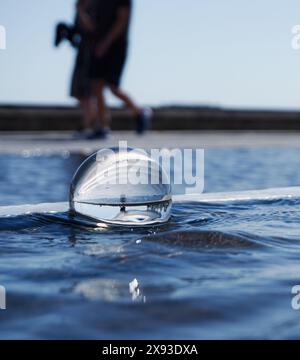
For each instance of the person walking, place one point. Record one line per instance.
(107, 28)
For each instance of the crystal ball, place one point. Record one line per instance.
(121, 187)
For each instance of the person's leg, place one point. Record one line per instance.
(87, 110)
(103, 117)
(143, 116)
(119, 93)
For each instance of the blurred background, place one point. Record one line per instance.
(233, 53)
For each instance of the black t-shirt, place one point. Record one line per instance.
(105, 15)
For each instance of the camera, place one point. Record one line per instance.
(67, 32)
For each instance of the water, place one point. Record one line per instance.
(215, 270)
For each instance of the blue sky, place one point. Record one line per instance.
(234, 53)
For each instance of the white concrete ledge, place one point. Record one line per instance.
(239, 196)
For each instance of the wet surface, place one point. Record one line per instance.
(216, 270)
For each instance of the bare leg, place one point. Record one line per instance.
(119, 93)
(103, 117)
(143, 116)
(87, 109)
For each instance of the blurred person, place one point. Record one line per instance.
(106, 27)
(81, 84)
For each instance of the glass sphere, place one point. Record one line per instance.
(122, 187)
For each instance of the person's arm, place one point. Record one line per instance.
(118, 28)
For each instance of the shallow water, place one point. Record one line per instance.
(216, 270)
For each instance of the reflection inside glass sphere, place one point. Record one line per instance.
(122, 187)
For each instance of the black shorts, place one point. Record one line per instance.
(110, 67)
(81, 85)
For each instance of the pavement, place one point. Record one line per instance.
(30, 143)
